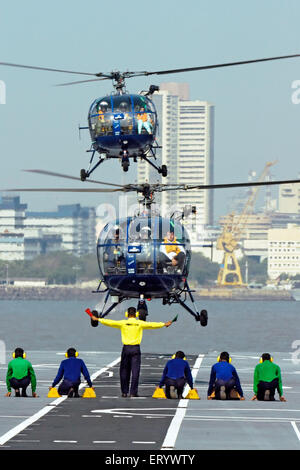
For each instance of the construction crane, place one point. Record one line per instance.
(230, 272)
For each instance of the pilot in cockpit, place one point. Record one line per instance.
(145, 258)
(172, 253)
(101, 125)
(114, 256)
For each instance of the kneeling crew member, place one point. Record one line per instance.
(131, 333)
(224, 379)
(176, 374)
(267, 378)
(70, 371)
(19, 374)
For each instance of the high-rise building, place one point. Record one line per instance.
(186, 134)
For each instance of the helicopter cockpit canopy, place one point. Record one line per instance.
(122, 115)
(144, 245)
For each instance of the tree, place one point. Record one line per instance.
(257, 271)
(56, 268)
(203, 270)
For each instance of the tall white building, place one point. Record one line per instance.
(186, 134)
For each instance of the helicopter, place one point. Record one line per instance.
(140, 271)
(123, 125)
(132, 251)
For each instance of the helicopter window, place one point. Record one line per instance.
(141, 239)
(111, 253)
(100, 117)
(140, 230)
(171, 256)
(173, 249)
(142, 101)
(122, 104)
(145, 117)
(122, 114)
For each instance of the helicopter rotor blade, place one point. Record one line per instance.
(47, 69)
(83, 81)
(186, 187)
(63, 190)
(61, 175)
(206, 67)
(128, 74)
(140, 188)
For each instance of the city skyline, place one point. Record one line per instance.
(256, 106)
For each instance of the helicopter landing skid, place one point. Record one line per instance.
(142, 308)
(175, 298)
(161, 170)
(201, 317)
(85, 174)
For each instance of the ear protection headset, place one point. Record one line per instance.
(261, 359)
(174, 355)
(23, 355)
(219, 359)
(136, 314)
(76, 354)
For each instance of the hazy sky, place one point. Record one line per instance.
(255, 118)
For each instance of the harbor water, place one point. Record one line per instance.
(233, 325)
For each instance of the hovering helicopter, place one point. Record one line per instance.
(123, 125)
(134, 253)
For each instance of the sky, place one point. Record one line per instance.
(257, 113)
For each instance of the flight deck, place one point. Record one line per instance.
(110, 422)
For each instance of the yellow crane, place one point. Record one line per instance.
(230, 272)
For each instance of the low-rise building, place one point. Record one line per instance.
(75, 224)
(284, 251)
(25, 235)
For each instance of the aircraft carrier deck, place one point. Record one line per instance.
(111, 423)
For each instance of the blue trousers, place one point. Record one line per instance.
(178, 383)
(17, 384)
(130, 369)
(263, 386)
(66, 385)
(229, 385)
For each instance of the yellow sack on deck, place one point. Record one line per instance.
(193, 395)
(89, 393)
(159, 393)
(53, 393)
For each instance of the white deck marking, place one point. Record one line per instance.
(65, 442)
(104, 396)
(118, 416)
(133, 411)
(174, 427)
(104, 442)
(23, 425)
(237, 418)
(143, 442)
(296, 429)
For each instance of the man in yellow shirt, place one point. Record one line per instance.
(131, 333)
(170, 250)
